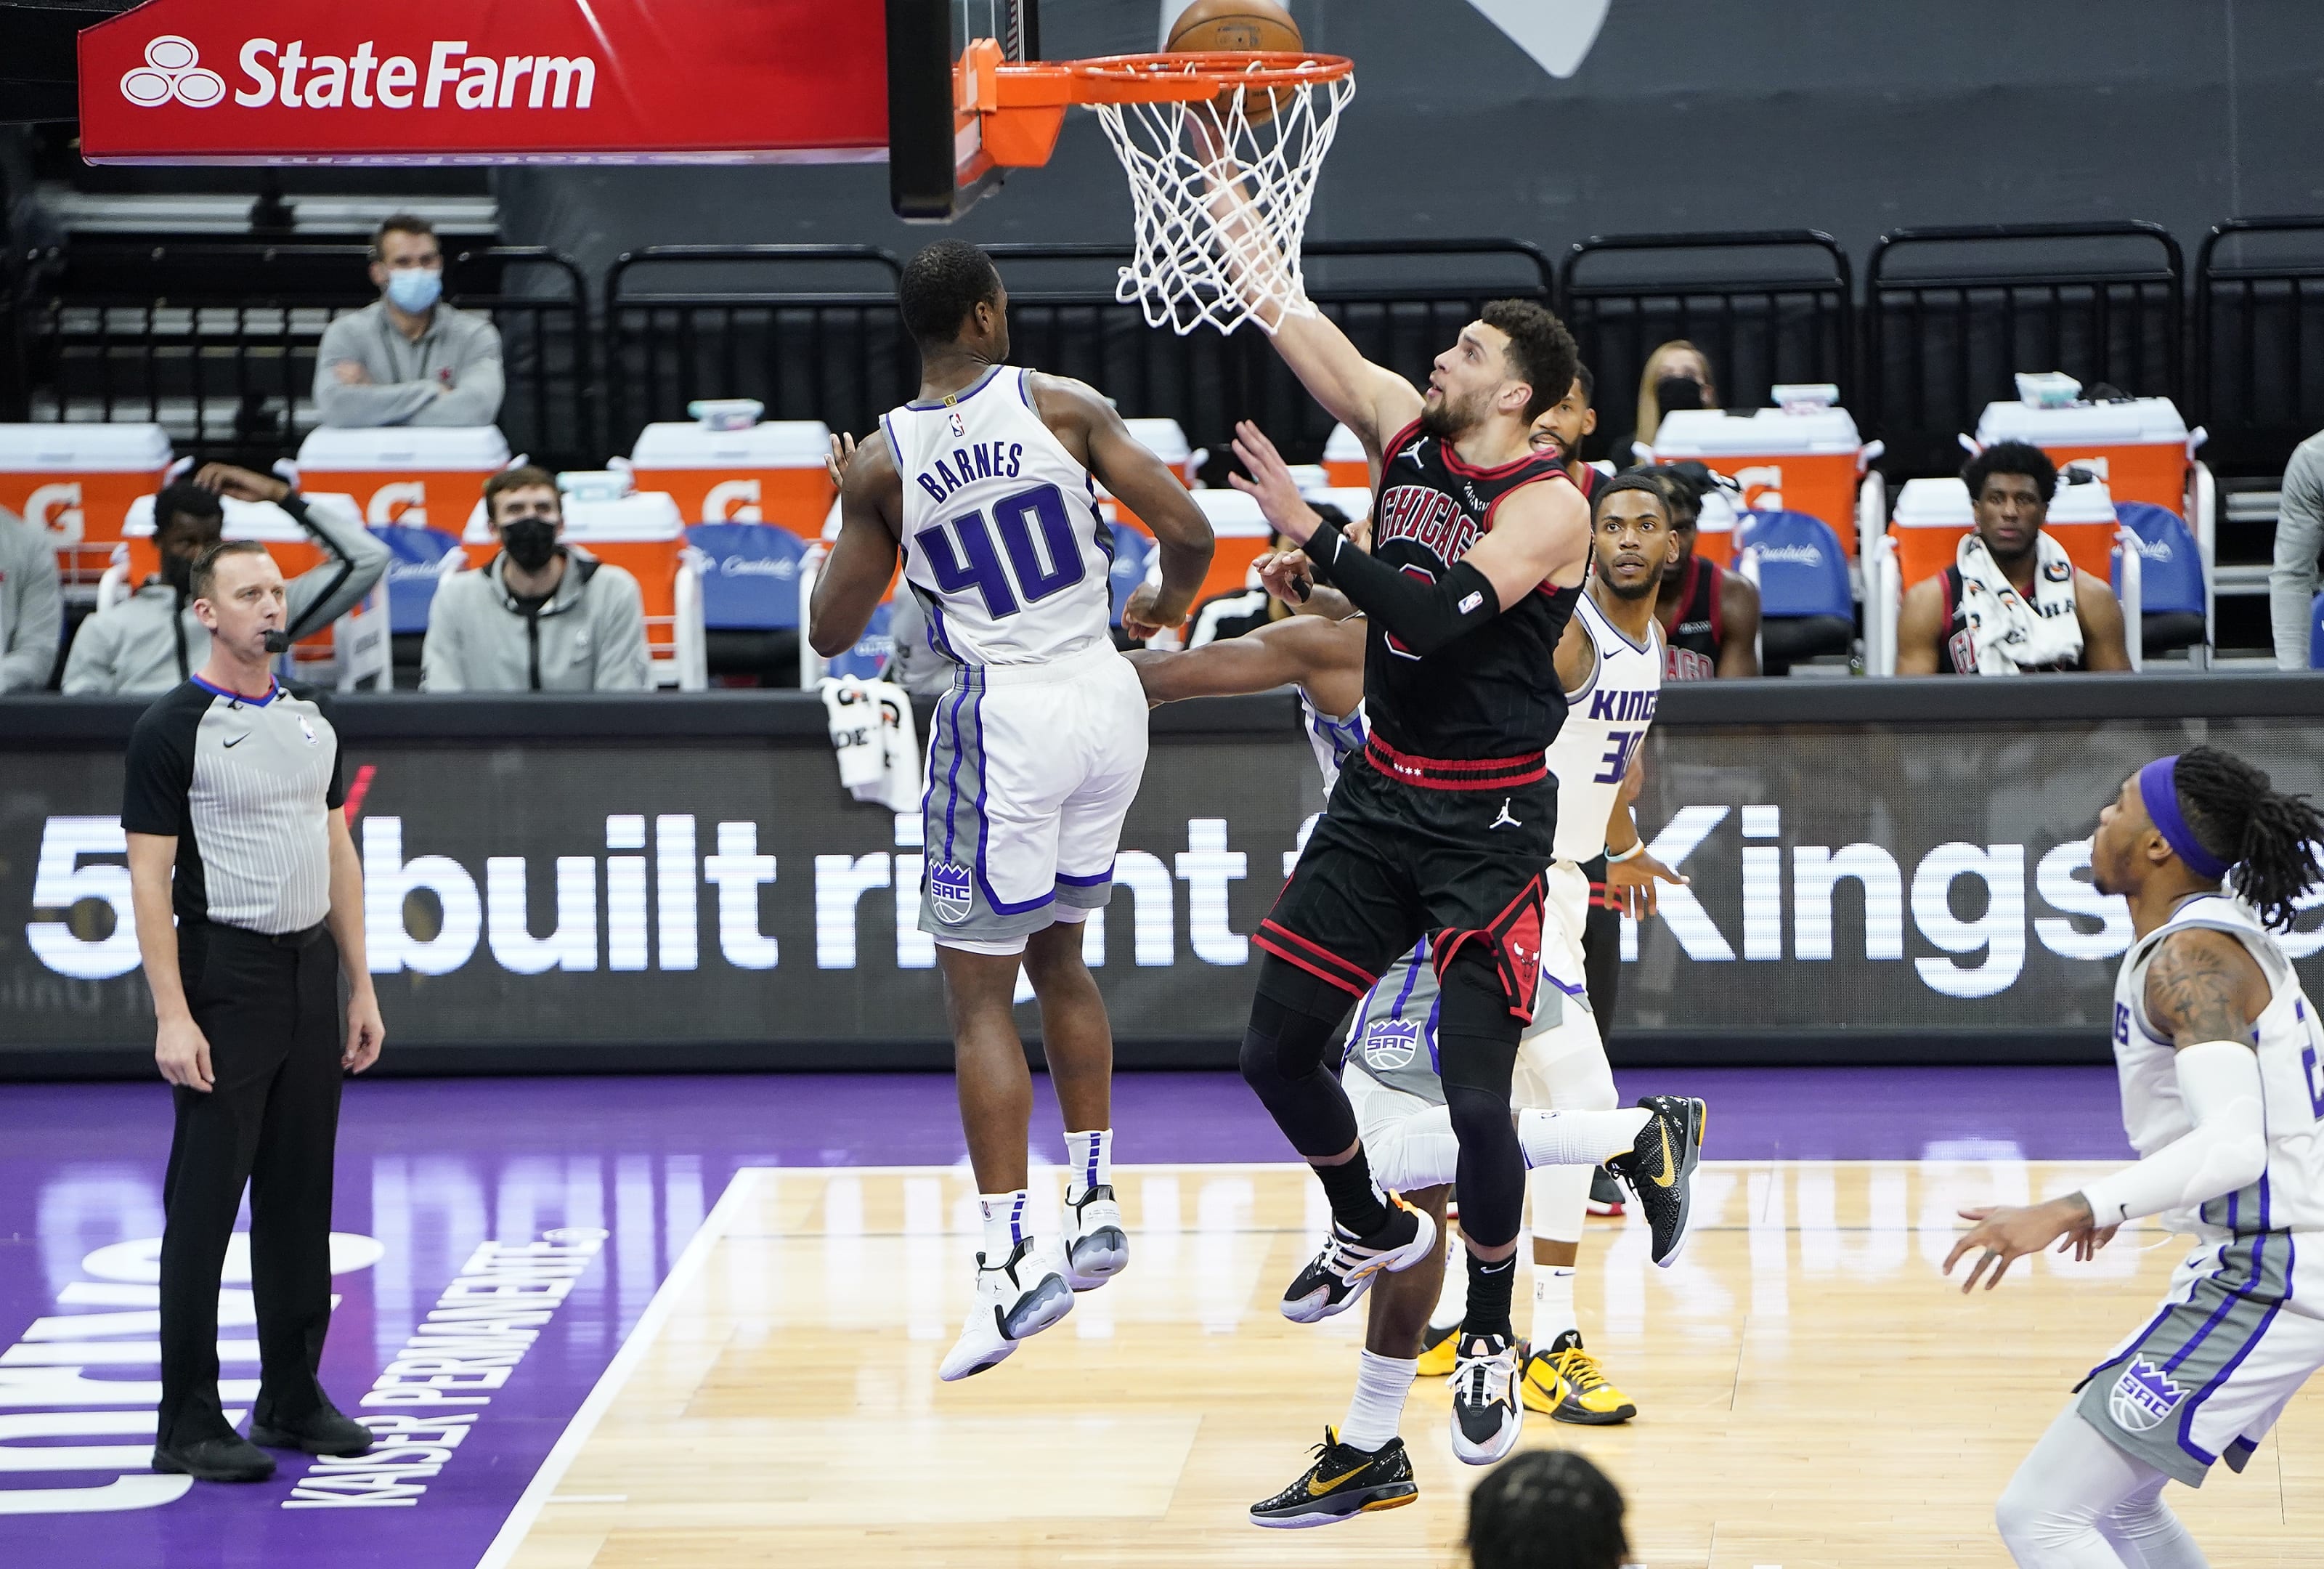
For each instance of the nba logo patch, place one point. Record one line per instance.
(949, 889)
(1390, 1044)
(2143, 1399)
(306, 730)
(959, 426)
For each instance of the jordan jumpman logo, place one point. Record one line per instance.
(1505, 820)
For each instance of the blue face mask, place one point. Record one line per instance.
(414, 288)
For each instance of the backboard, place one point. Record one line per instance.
(938, 166)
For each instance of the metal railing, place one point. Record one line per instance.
(1765, 307)
(2259, 340)
(2101, 302)
(216, 341)
(826, 346)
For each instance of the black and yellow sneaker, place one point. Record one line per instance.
(1344, 1482)
(1439, 1348)
(1605, 1194)
(1347, 1266)
(1565, 1384)
(1660, 1169)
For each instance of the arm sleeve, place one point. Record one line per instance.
(89, 668)
(2225, 1150)
(623, 665)
(477, 386)
(33, 620)
(1423, 613)
(2298, 537)
(159, 770)
(328, 591)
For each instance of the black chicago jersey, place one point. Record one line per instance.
(1493, 693)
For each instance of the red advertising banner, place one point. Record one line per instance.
(486, 81)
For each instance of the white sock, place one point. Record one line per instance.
(1382, 1385)
(1579, 1137)
(1452, 1299)
(1552, 1304)
(1004, 1224)
(1089, 1161)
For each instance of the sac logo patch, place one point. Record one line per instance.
(949, 891)
(2143, 1399)
(1390, 1044)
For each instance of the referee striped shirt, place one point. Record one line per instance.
(245, 786)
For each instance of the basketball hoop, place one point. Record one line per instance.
(1221, 151)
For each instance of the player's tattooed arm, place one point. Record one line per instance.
(2204, 985)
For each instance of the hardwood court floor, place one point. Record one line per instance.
(1812, 1392)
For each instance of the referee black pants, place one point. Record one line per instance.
(270, 1009)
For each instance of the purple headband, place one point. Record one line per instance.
(2158, 786)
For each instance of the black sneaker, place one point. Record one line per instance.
(1344, 1481)
(1487, 1413)
(1660, 1169)
(228, 1458)
(322, 1431)
(1346, 1268)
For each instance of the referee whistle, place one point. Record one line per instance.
(278, 642)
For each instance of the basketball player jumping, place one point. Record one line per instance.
(983, 482)
(2223, 1097)
(1444, 826)
(1609, 662)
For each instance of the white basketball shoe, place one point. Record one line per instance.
(1097, 1248)
(1016, 1299)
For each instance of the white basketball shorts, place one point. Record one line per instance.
(1031, 770)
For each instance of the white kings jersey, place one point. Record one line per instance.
(1335, 740)
(1604, 724)
(2289, 1192)
(1002, 541)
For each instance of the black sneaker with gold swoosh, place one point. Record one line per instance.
(1344, 1482)
(1660, 1169)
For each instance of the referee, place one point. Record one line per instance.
(233, 783)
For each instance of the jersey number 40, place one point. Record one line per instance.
(963, 553)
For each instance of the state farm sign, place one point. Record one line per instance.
(282, 82)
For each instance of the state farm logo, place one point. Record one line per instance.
(172, 69)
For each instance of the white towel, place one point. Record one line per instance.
(878, 745)
(2008, 635)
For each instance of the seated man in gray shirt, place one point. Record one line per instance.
(30, 608)
(2298, 537)
(407, 358)
(539, 616)
(152, 640)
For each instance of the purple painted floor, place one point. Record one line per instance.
(604, 1179)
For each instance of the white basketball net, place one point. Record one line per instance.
(1220, 200)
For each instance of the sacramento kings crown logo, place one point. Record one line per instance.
(1390, 1044)
(949, 889)
(2143, 1398)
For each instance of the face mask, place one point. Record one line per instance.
(178, 572)
(529, 543)
(414, 288)
(1678, 392)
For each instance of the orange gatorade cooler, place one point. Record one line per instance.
(2141, 449)
(1932, 514)
(77, 481)
(1807, 459)
(1242, 535)
(422, 476)
(770, 471)
(1165, 439)
(1344, 460)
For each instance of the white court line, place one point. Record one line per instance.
(539, 1491)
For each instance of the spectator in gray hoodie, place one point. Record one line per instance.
(541, 616)
(31, 610)
(152, 640)
(407, 358)
(2298, 538)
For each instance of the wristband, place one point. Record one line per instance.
(1632, 854)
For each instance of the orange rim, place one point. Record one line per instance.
(1158, 78)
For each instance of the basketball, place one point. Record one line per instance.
(1208, 26)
